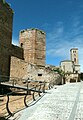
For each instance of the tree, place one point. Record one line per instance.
(61, 73)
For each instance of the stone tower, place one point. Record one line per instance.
(74, 55)
(6, 18)
(74, 58)
(33, 43)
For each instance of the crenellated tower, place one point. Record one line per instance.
(33, 43)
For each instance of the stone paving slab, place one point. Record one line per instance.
(63, 103)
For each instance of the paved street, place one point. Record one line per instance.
(63, 103)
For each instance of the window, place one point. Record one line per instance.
(76, 71)
(22, 45)
(74, 59)
(74, 51)
(39, 74)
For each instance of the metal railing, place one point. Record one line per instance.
(20, 87)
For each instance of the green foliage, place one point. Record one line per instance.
(59, 71)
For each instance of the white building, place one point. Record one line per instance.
(67, 66)
(71, 67)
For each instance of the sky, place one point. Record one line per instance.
(62, 20)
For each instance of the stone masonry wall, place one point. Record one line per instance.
(18, 68)
(33, 43)
(27, 42)
(17, 52)
(24, 70)
(6, 17)
(40, 48)
(6, 48)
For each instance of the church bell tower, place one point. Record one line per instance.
(74, 55)
(75, 60)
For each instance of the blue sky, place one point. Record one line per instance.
(62, 20)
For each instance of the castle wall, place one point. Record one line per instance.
(24, 70)
(17, 52)
(6, 48)
(18, 68)
(6, 17)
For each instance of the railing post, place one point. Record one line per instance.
(27, 87)
(34, 94)
(28, 92)
(25, 101)
(44, 87)
(39, 90)
(7, 107)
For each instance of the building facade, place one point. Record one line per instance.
(71, 67)
(67, 66)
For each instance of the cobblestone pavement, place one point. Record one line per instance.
(63, 103)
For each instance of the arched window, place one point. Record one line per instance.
(74, 59)
(22, 45)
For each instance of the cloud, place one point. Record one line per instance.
(60, 41)
(15, 42)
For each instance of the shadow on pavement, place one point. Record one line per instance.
(3, 118)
